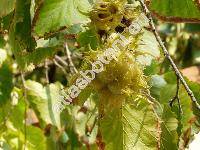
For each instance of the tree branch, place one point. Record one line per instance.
(166, 53)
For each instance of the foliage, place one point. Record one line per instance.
(127, 105)
(185, 10)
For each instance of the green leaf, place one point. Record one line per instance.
(167, 93)
(186, 105)
(56, 14)
(186, 118)
(192, 28)
(2, 43)
(39, 55)
(20, 37)
(185, 100)
(169, 135)
(176, 11)
(152, 69)
(112, 119)
(17, 114)
(89, 38)
(43, 99)
(64, 138)
(84, 119)
(35, 139)
(3, 56)
(148, 48)
(157, 83)
(133, 126)
(6, 6)
(195, 87)
(6, 84)
(14, 113)
(6, 21)
(170, 78)
(14, 132)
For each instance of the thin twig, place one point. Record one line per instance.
(60, 66)
(46, 71)
(74, 56)
(61, 60)
(71, 64)
(176, 97)
(166, 53)
(25, 100)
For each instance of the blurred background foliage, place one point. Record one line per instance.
(33, 37)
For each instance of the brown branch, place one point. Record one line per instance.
(166, 53)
